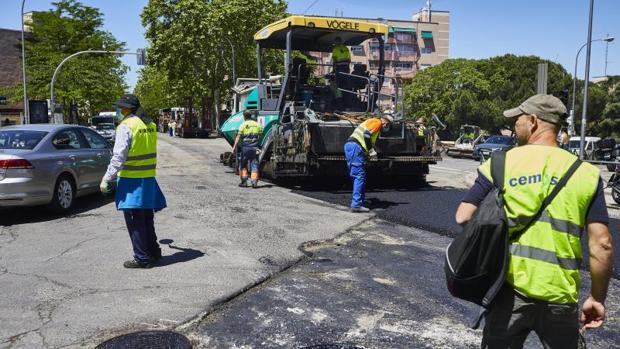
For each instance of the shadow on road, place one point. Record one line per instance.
(183, 254)
(38, 214)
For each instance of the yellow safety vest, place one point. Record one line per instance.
(341, 53)
(371, 126)
(545, 260)
(250, 131)
(421, 130)
(142, 157)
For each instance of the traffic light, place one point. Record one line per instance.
(141, 57)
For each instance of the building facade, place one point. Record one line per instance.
(411, 46)
(10, 75)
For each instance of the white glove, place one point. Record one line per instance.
(372, 154)
(104, 187)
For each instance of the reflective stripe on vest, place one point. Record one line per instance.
(358, 134)
(141, 159)
(250, 131)
(545, 260)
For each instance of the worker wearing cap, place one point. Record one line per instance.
(541, 292)
(357, 148)
(133, 164)
(249, 136)
(421, 128)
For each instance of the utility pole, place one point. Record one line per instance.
(584, 112)
(606, 53)
(26, 117)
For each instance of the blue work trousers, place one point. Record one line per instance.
(248, 163)
(141, 227)
(356, 161)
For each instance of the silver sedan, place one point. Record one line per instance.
(50, 164)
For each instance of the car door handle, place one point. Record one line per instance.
(72, 157)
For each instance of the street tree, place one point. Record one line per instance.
(153, 90)
(91, 81)
(477, 91)
(190, 41)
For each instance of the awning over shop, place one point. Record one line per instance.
(401, 30)
(427, 35)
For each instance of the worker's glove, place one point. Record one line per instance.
(372, 155)
(105, 187)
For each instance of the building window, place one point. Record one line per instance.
(374, 64)
(426, 50)
(403, 36)
(357, 50)
(402, 65)
(406, 48)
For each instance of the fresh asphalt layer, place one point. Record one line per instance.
(380, 285)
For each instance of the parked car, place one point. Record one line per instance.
(107, 131)
(45, 164)
(491, 144)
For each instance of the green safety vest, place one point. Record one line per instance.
(341, 53)
(142, 157)
(545, 260)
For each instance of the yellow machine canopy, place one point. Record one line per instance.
(318, 33)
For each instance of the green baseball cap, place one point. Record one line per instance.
(546, 107)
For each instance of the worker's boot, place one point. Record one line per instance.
(360, 209)
(243, 184)
(254, 184)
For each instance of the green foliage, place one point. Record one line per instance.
(476, 92)
(94, 81)
(152, 90)
(190, 41)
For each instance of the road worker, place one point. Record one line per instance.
(249, 136)
(420, 124)
(359, 147)
(341, 59)
(541, 292)
(138, 195)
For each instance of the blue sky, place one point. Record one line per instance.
(552, 29)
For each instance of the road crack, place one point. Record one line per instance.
(71, 248)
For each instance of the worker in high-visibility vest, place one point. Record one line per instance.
(341, 59)
(359, 146)
(421, 128)
(541, 292)
(134, 163)
(249, 136)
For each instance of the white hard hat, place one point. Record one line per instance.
(388, 117)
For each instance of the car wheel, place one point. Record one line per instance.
(615, 193)
(64, 194)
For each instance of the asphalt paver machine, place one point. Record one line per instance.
(306, 124)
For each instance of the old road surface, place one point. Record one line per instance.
(282, 266)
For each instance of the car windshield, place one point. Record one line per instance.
(20, 139)
(105, 127)
(498, 140)
(574, 144)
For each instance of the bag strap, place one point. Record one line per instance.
(498, 169)
(573, 168)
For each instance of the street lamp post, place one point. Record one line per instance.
(52, 99)
(584, 110)
(26, 118)
(572, 110)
